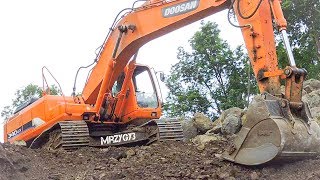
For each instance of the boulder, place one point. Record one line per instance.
(202, 123)
(202, 140)
(189, 130)
(312, 98)
(316, 114)
(231, 125)
(311, 85)
(238, 112)
(231, 121)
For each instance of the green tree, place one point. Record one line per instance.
(304, 29)
(210, 78)
(25, 94)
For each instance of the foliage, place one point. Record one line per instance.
(23, 95)
(210, 78)
(304, 30)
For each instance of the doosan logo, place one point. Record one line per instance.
(180, 8)
(14, 133)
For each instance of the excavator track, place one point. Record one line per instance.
(74, 134)
(170, 130)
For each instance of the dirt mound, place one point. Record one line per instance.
(174, 160)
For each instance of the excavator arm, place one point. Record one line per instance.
(152, 20)
(156, 18)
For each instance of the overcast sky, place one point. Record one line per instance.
(63, 35)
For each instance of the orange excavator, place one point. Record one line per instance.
(120, 104)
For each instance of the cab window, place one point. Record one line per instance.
(116, 88)
(145, 93)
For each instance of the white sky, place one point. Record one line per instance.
(63, 35)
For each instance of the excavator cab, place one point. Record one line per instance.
(145, 89)
(134, 95)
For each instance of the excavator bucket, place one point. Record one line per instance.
(275, 131)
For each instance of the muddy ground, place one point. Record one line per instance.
(174, 160)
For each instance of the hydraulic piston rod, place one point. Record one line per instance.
(288, 47)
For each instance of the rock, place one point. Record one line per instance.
(224, 175)
(217, 122)
(202, 123)
(202, 140)
(254, 176)
(232, 111)
(99, 167)
(231, 125)
(189, 130)
(117, 154)
(244, 117)
(208, 162)
(312, 98)
(104, 149)
(311, 85)
(203, 177)
(55, 176)
(231, 178)
(201, 147)
(215, 130)
(219, 156)
(231, 120)
(23, 169)
(316, 114)
(113, 161)
(304, 92)
(102, 176)
(130, 153)
(20, 143)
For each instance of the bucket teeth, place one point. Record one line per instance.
(275, 132)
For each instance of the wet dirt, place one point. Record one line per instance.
(167, 160)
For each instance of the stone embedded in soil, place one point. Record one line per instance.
(254, 176)
(202, 140)
(130, 153)
(55, 176)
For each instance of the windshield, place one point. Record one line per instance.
(145, 92)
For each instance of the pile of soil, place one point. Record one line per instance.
(167, 160)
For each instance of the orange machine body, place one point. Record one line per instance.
(47, 111)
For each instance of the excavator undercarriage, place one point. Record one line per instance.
(71, 135)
